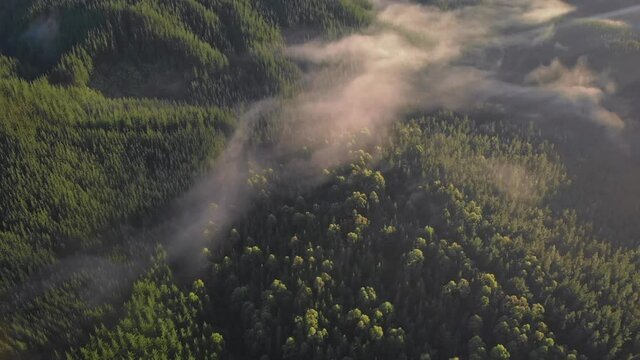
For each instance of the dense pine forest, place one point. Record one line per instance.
(319, 179)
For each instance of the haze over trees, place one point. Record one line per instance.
(170, 186)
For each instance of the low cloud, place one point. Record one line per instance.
(581, 87)
(42, 36)
(413, 57)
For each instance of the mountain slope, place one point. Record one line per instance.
(440, 236)
(408, 252)
(109, 114)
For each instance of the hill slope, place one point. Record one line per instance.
(440, 237)
(109, 112)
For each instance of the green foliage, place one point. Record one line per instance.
(610, 36)
(158, 323)
(440, 242)
(331, 15)
(75, 161)
(445, 264)
(8, 67)
(86, 152)
(206, 51)
(499, 352)
(74, 164)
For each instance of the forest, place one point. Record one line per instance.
(319, 179)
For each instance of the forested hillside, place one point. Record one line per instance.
(309, 179)
(406, 252)
(109, 112)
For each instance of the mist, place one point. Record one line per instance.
(42, 35)
(542, 96)
(416, 58)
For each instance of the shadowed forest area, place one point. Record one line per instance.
(319, 179)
